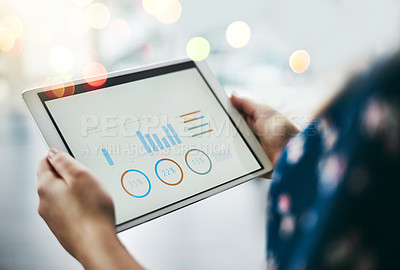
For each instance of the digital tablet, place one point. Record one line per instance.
(158, 138)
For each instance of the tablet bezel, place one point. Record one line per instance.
(52, 138)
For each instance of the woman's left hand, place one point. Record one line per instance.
(80, 213)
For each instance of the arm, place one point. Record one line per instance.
(80, 213)
(272, 128)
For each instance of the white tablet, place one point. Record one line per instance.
(159, 137)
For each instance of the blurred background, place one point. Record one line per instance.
(294, 55)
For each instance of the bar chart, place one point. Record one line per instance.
(153, 143)
(193, 123)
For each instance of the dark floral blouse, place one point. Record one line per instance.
(335, 196)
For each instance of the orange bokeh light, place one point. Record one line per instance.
(56, 88)
(299, 61)
(95, 74)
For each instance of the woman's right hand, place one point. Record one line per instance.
(271, 127)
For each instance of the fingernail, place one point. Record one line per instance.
(52, 153)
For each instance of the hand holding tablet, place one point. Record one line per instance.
(158, 138)
(80, 213)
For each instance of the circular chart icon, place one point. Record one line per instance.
(169, 172)
(135, 183)
(198, 161)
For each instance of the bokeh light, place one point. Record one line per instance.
(148, 52)
(172, 14)
(61, 59)
(95, 74)
(82, 3)
(238, 34)
(41, 34)
(97, 15)
(155, 7)
(56, 87)
(77, 23)
(120, 28)
(198, 49)
(299, 61)
(7, 39)
(16, 50)
(14, 24)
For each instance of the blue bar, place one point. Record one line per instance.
(174, 133)
(141, 138)
(109, 160)
(169, 135)
(153, 145)
(158, 141)
(165, 142)
(201, 117)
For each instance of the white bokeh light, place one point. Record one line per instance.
(61, 59)
(82, 3)
(172, 14)
(155, 7)
(14, 24)
(198, 48)
(238, 34)
(97, 15)
(7, 39)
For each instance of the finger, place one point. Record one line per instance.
(245, 105)
(65, 165)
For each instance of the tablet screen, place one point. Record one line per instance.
(153, 138)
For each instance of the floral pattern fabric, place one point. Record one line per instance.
(334, 200)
